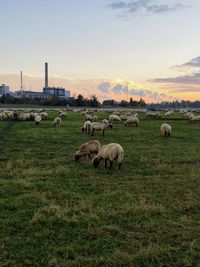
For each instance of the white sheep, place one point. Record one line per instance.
(109, 152)
(155, 115)
(165, 129)
(44, 115)
(88, 117)
(57, 122)
(87, 127)
(95, 118)
(132, 121)
(105, 121)
(98, 126)
(63, 115)
(87, 149)
(114, 117)
(169, 113)
(194, 119)
(37, 119)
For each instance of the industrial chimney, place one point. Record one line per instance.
(21, 81)
(46, 75)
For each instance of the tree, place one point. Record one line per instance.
(132, 102)
(80, 101)
(141, 103)
(93, 102)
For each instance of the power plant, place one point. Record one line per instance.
(47, 90)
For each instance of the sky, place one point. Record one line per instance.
(113, 49)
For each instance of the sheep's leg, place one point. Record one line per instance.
(92, 133)
(89, 156)
(120, 165)
(106, 161)
(111, 164)
(102, 133)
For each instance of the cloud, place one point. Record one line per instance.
(193, 63)
(184, 79)
(144, 6)
(119, 89)
(104, 87)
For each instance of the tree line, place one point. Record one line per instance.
(93, 101)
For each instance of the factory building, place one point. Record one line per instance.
(54, 91)
(32, 94)
(4, 90)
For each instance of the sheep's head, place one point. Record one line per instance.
(110, 125)
(77, 156)
(96, 162)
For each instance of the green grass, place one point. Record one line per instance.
(56, 212)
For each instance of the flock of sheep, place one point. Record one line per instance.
(113, 151)
(110, 152)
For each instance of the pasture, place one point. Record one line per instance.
(57, 212)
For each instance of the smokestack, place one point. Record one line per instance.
(46, 75)
(21, 81)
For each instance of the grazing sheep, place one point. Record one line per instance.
(105, 121)
(63, 115)
(88, 117)
(87, 149)
(169, 113)
(123, 117)
(194, 119)
(37, 119)
(57, 122)
(95, 118)
(44, 115)
(98, 126)
(109, 152)
(155, 115)
(87, 127)
(132, 121)
(114, 118)
(165, 129)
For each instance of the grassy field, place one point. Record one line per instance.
(57, 212)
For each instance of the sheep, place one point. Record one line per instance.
(155, 115)
(165, 129)
(105, 121)
(169, 113)
(63, 115)
(44, 115)
(99, 127)
(109, 152)
(95, 118)
(123, 117)
(37, 119)
(195, 119)
(88, 117)
(132, 121)
(114, 118)
(87, 127)
(91, 147)
(57, 122)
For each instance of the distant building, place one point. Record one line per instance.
(57, 91)
(4, 90)
(47, 92)
(67, 93)
(32, 94)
